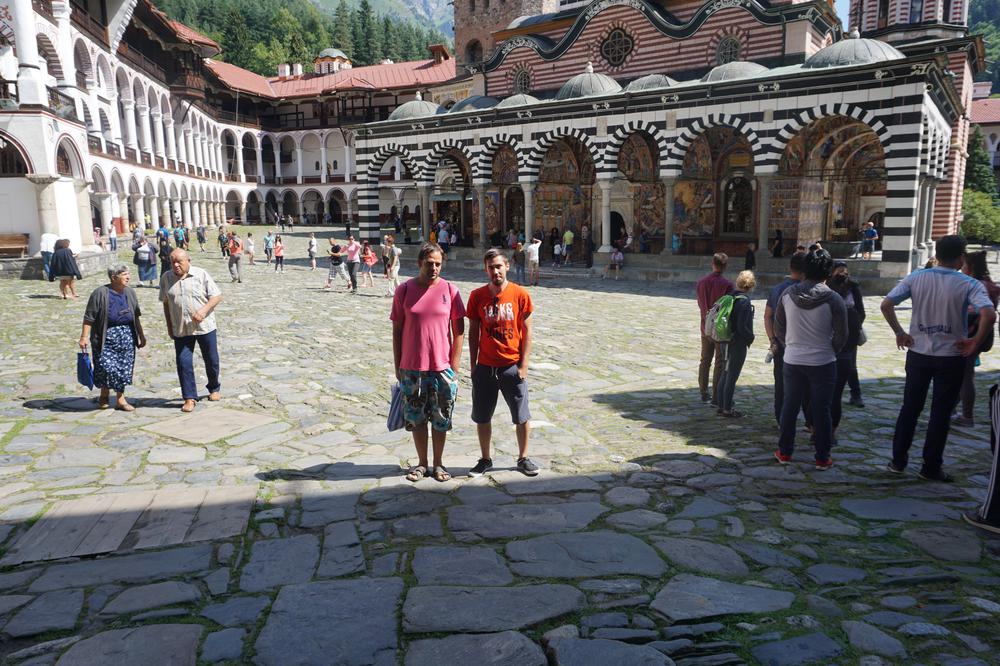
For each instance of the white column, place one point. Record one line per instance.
(298, 165)
(481, 217)
(189, 151)
(82, 188)
(240, 167)
(260, 161)
(154, 212)
(165, 217)
(48, 215)
(528, 187)
(139, 206)
(160, 148)
(30, 84)
(186, 212)
(605, 186)
(107, 215)
(347, 163)
(668, 214)
(132, 139)
(324, 176)
(147, 142)
(170, 150)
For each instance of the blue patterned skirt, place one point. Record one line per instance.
(113, 370)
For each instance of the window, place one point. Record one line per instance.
(616, 47)
(522, 82)
(916, 11)
(63, 165)
(474, 51)
(728, 50)
(11, 162)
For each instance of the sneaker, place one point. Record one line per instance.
(963, 422)
(526, 467)
(974, 519)
(782, 458)
(484, 465)
(856, 401)
(823, 465)
(895, 470)
(940, 476)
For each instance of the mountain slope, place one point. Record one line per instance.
(436, 14)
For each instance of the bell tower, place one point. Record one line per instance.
(477, 20)
(902, 21)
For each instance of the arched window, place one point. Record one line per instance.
(474, 51)
(739, 207)
(616, 47)
(64, 167)
(522, 82)
(729, 50)
(11, 161)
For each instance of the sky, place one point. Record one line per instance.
(843, 6)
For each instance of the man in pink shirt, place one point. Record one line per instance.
(353, 252)
(711, 288)
(428, 328)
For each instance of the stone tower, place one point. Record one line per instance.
(477, 20)
(902, 21)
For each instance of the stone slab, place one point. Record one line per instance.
(208, 424)
(804, 522)
(507, 648)
(829, 574)
(52, 611)
(549, 482)
(458, 565)
(807, 649)
(160, 644)
(275, 562)
(486, 609)
(135, 568)
(950, 544)
(342, 553)
(704, 507)
(145, 597)
(345, 622)
(689, 597)
(898, 508)
(702, 556)
(868, 639)
(520, 520)
(223, 645)
(583, 555)
(597, 652)
(237, 612)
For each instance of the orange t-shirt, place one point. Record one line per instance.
(500, 323)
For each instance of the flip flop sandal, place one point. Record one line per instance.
(441, 474)
(416, 473)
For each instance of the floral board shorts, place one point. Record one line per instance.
(428, 396)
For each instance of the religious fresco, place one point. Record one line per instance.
(648, 209)
(635, 160)
(812, 208)
(492, 212)
(694, 208)
(567, 162)
(505, 166)
(698, 160)
(565, 185)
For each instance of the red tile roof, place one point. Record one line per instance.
(192, 35)
(986, 111)
(399, 75)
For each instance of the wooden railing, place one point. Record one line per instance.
(82, 19)
(142, 62)
(43, 7)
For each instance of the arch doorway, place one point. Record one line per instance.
(513, 210)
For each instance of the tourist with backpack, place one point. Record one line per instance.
(709, 290)
(811, 324)
(739, 331)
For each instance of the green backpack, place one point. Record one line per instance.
(719, 320)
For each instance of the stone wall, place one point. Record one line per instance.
(30, 268)
(488, 17)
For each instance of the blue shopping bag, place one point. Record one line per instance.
(395, 420)
(84, 370)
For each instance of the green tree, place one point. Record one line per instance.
(342, 38)
(265, 58)
(978, 170)
(237, 45)
(367, 46)
(391, 47)
(981, 217)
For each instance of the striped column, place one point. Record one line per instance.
(368, 195)
(902, 198)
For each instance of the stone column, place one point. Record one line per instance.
(425, 210)
(263, 211)
(48, 215)
(165, 217)
(903, 182)
(260, 162)
(528, 187)
(190, 157)
(159, 145)
(168, 129)
(347, 163)
(931, 198)
(154, 212)
(920, 215)
(107, 214)
(298, 165)
(146, 136)
(82, 188)
(243, 212)
(763, 209)
(240, 166)
(30, 83)
(668, 214)
(483, 238)
(132, 140)
(605, 186)
(186, 212)
(324, 176)
(139, 206)
(123, 209)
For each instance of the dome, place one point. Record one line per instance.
(737, 69)
(516, 100)
(415, 108)
(852, 51)
(332, 53)
(588, 84)
(650, 82)
(473, 103)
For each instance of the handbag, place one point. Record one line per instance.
(84, 369)
(395, 420)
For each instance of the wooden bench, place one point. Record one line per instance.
(13, 245)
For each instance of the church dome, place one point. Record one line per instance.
(473, 103)
(588, 84)
(852, 51)
(415, 108)
(332, 53)
(737, 69)
(516, 100)
(650, 82)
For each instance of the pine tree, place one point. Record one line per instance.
(391, 48)
(236, 41)
(342, 29)
(978, 170)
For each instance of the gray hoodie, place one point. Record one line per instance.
(811, 323)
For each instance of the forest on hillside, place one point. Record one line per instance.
(258, 35)
(984, 19)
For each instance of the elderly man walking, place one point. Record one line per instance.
(189, 296)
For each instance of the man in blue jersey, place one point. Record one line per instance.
(937, 345)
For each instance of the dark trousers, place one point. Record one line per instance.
(946, 373)
(779, 381)
(969, 388)
(852, 379)
(990, 511)
(820, 379)
(46, 260)
(352, 272)
(735, 354)
(710, 349)
(184, 353)
(846, 364)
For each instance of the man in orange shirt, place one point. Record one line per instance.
(500, 343)
(235, 256)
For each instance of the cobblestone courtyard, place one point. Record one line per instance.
(275, 527)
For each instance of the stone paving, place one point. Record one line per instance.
(657, 534)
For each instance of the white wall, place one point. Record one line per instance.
(19, 204)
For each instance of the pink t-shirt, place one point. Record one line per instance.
(426, 315)
(353, 250)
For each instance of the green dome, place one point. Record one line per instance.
(519, 99)
(588, 84)
(738, 69)
(650, 82)
(332, 53)
(852, 51)
(415, 108)
(476, 102)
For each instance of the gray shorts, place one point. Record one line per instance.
(487, 382)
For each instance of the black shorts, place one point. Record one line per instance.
(487, 382)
